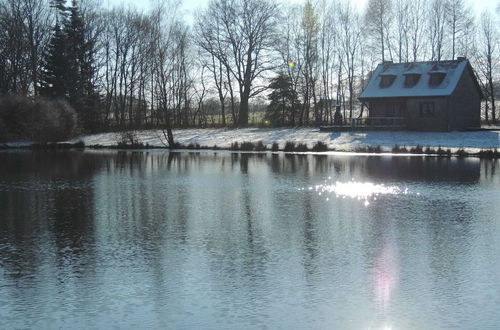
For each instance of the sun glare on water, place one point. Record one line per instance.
(362, 191)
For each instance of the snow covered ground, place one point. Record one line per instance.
(342, 141)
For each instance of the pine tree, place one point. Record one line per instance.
(53, 79)
(283, 100)
(80, 57)
(69, 64)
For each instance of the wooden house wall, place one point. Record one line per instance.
(465, 103)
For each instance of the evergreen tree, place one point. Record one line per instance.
(80, 58)
(69, 64)
(53, 79)
(283, 101)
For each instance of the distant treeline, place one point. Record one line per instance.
(240, 62)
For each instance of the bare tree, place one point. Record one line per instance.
(378, 21)
(350, 39)
(436, 29)
(326, 57)
(402, 14)
(459, 19)
(416, 17)
(309, 39)
(488, 59)
(246, 31)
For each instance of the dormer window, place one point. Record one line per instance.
(436, 78)
(387, 80)
(411, 79)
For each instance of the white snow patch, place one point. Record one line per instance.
(343, 141)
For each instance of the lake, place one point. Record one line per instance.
(220, 240)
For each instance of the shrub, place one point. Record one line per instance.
(36, 120)
(260, 146)
(129, 139)
(301, 147)
(275, 146)
(461, 153)
(430, 151)
(399, 150)
(289, 146)
(320, 146)
(193, 146)
(247, 146)
(485, 154)
(416, 150)
(374, 149)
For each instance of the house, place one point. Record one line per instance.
(427, 96)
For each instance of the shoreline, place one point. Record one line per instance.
(418, 151)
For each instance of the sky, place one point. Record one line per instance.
(191, 5)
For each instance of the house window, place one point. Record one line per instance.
(436, 78)
(387, 80)
(411, 80)
(427, 109)
(395, 109)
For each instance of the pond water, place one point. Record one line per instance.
(157, 240)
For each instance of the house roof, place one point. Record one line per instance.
(453, 70)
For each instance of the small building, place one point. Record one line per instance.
(424, 96)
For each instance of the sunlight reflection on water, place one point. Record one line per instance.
(362, 191)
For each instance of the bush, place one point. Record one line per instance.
(302, 147)
(247, 146)
(235, 146)
(461, 153)
(260, 146)
(320, 146)
(429, 151)
(399, 150)
(193, 146)
(374, 149)
(275, 146)
(289, 146)
(129, 139)
(416, 150)
(36, 120)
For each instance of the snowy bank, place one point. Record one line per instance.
(341, 141)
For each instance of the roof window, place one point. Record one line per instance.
(436, 78)
(411, 79)
(387, 80)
